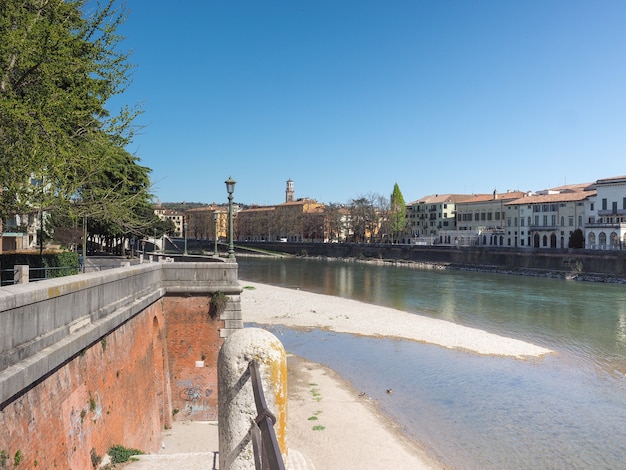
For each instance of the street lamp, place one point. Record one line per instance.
(230, 189)
(215, 218)
(185, 230)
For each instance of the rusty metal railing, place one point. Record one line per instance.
(267, 454)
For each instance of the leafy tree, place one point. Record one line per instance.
(576, 239)
(398, 212)
(58, 68)
(363, 218)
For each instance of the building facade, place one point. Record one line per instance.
(605, 215)
(547, 219)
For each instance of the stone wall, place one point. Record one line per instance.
(610, 263)
(91, 361)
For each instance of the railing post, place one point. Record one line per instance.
(21, 274)
(236, 405)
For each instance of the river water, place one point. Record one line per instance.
(564, 411)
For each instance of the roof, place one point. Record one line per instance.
(441, 198)
(548, 198)
(614, 179)
(573, 187)
(501, 197)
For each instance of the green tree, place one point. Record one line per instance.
(58, 69)
(576, 239)
(398, 213)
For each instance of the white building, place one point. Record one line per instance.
(548, 218)
(605, 218)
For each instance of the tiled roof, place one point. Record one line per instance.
(614, 179)
(548, 198)
(440, 198)
(573, 187)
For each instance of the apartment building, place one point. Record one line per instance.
(481, 220)
(429, 217)
(548, 218)
(605, 215)
(177, 217)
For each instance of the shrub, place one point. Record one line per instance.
(217, 304)
(120, 454)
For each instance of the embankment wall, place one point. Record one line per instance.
(610, 263)
(102, 359)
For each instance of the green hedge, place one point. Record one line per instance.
(49, 264)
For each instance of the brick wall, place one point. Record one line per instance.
(193, 343)
(111, 393)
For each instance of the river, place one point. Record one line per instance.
(564, 411)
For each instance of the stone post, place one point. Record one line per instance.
(20, 274)
(236, 407)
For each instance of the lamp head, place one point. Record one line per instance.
(230, 185)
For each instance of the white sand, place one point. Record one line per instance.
(269, 305)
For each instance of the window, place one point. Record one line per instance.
(562, 221)
(536, 220)
(591, 206)
(553, 220)
(604, 204)
(489, 215)
(545, 221)
(482, 216)
(508, 222)
(522, 221)
(614, 207)
(571, 221)
(624, 203)
(580, 220)
(497, 215)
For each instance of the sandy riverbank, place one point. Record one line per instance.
(270, 305)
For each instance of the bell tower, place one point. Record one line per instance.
(289, 191)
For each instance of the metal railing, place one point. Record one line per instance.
(265, 446)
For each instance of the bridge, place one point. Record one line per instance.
(111, 357)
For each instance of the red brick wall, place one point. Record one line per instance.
(115, 392)
(193, 337)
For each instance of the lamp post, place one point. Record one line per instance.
(215, 218)
(230, 189)
(185, 230)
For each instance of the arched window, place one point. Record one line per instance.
(602, 238)
(614, 239)
(580, 220)
(484, 239)
(592, 238)
(562, 221)
(553, 241)
(545, 240)
(536, 240)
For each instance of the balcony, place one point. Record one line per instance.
(614, 225)
(614, 212)
(543, 228)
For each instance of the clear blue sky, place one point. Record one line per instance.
(348, 97)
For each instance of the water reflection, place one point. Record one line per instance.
(565, 411)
